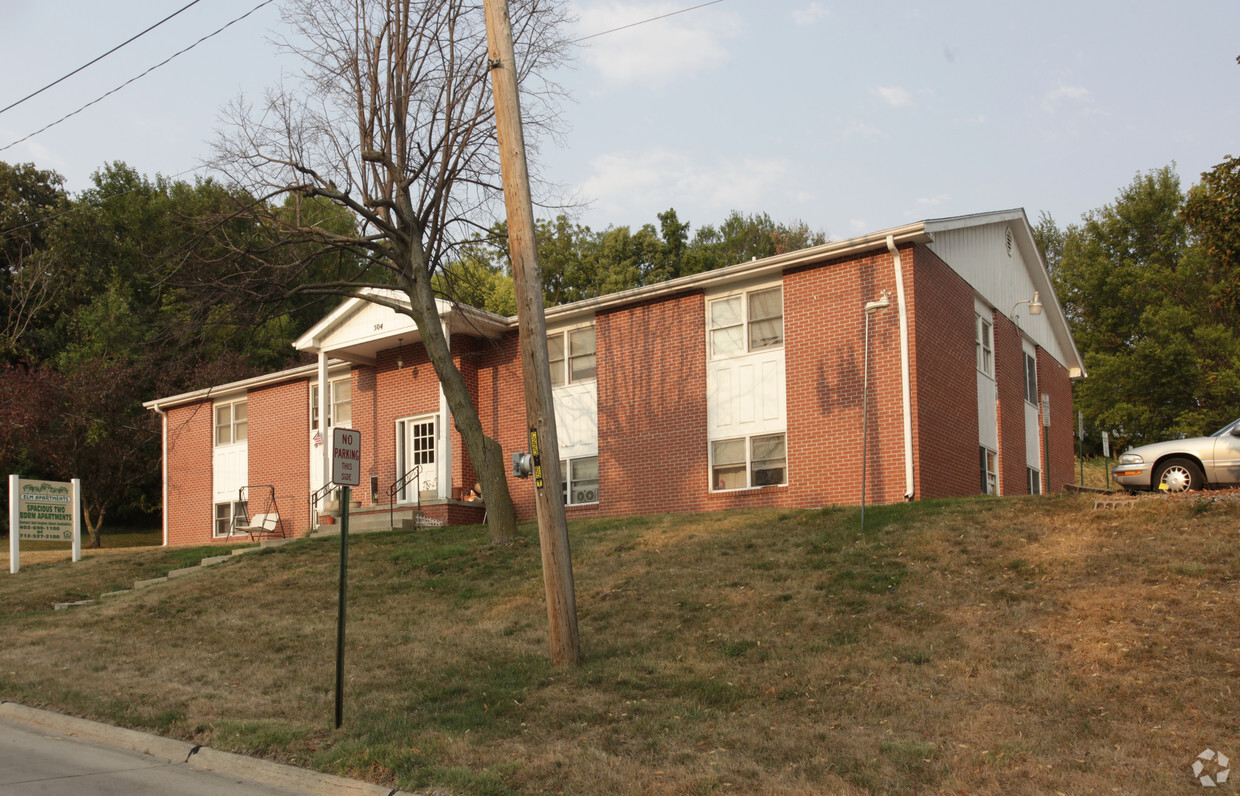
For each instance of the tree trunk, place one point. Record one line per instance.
(93, 528)
(484, 452)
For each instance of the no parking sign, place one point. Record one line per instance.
(346, 457)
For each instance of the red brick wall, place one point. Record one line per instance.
(365, 408)
(824, 328)
(500, 400)
(653, 449)
(944, 378)
(1053, 380)
(652, 406)
(1010, 384)
(190, 508)
(410, 390)
(279, 430)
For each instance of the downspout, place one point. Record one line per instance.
(164, 467)
(904, 367)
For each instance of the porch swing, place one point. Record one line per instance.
(266, 523)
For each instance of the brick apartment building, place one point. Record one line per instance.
(739, 387)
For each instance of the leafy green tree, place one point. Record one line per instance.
(83, 424)
(133, 315)
(1050, 239)
(579, 263)
(1212, 213)
(28, 196)
(745, 237)
(1143, 299)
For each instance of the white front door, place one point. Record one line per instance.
(416, 442)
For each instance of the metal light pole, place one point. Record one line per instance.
(870, 308)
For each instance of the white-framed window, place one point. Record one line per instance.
(572, 356)
(746, 322)
(1031, 379)
(225, 514)
(1035, 481)
(580, 480)
(231, 423)
(985, 347)
(746, 462)
(989, 471)
(339, 408)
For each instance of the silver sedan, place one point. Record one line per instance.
(1183, 464)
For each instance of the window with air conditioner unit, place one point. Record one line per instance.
(580, 480)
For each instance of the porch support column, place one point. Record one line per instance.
(444, 443)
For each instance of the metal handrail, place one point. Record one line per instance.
(403, 481)
(315, 496)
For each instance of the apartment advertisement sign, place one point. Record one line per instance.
(45, 510)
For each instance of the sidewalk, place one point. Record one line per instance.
(47, 753)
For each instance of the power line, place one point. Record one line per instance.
(97, 60)
(644, 21)
(138, 77)
(38, 221)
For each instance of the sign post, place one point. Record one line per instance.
(1106, 455)
(346, 473)
(14, 523)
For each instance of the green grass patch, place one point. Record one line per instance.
(974, 645)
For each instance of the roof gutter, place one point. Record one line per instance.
(898, 264)
(236, 387)
(909, 233)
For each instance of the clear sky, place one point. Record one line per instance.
(850, 116)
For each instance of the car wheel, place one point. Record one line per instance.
(1178, 475)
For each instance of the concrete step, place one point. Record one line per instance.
(363, 521)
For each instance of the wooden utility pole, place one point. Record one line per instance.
(557, 563)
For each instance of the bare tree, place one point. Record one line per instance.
(396, 124)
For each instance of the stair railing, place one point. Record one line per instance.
(410, 477)
(315, 497)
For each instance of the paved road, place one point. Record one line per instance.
(52, 755)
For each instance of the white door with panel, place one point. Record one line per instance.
(417, 442)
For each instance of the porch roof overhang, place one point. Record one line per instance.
(374, 320)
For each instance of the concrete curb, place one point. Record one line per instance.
(134, 741)
(202, 758)
(296, 779)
